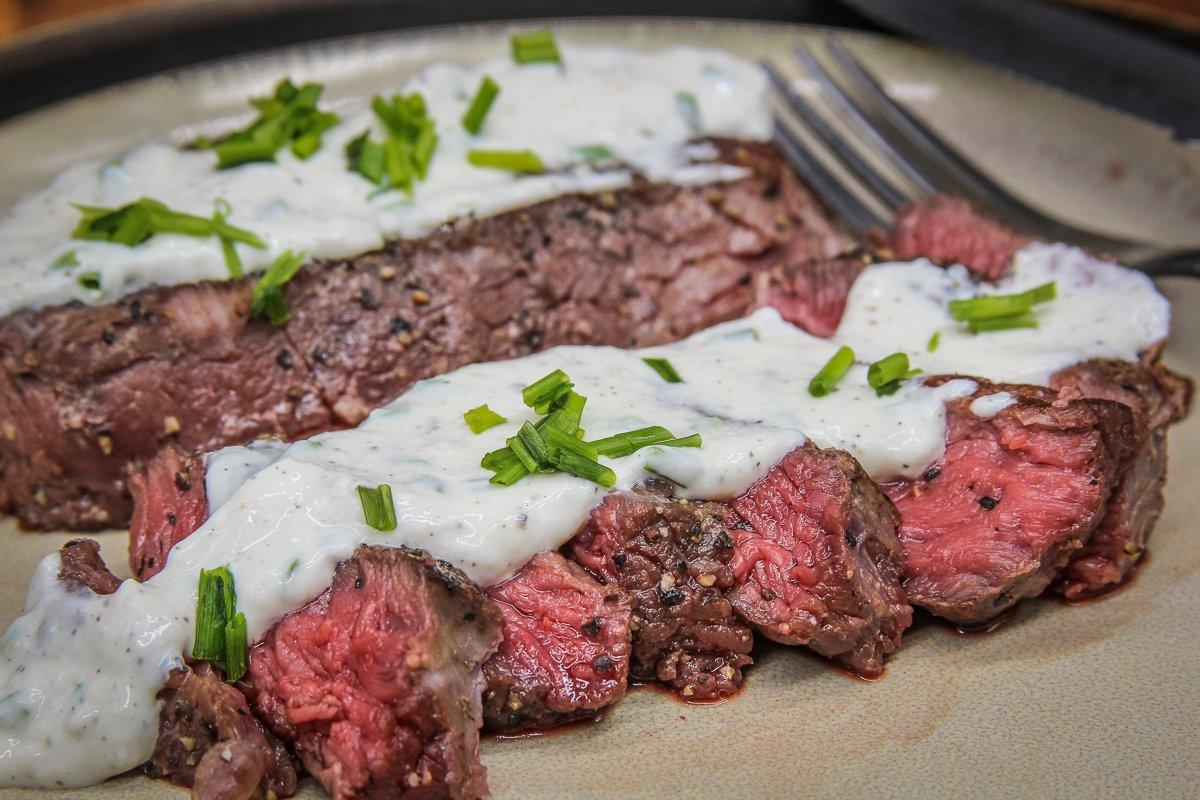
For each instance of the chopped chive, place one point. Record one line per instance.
(289, 116)
(89, 281)
(529, 48)
(547, 389)
(236, 645)
(403, 157)
(1026, 320)
(585, 468)
(595, 154)
(481, 103)
(683, 441)
(378, 509)
(481, 418)
(620, 445)
(499, 459)
(664, 369)
(536, 445)
(523, 455)
(689, 109)
(509, 474)
(568, 416)
(566, 441)
(884, 375)
(827, 379)
(266, 298)
(134, 223)
(934, 341)
(524, 161)
(216, 602)
(992, 306)
(66, 260)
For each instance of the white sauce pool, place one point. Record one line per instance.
(603, 95)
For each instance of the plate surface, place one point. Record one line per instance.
(1097, 700)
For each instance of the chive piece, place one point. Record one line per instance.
(509, 474)
(683, 441)
(827, 379)
(523, 455)
(664, 369)
(622, 444)
(993, 306)
(215, 604)
(481, 103)
(66, 260)
(884, 375)
(288, 117)
(365, 157)
(568, 442)
(568, 416)
(378, 508)
(934, 341)
(1026, 320)
(585, 468)
(89, 281)
(538, 447)
(547, 389)
(266, 298)
(404, 155)
(236, 645)
(529, 48)
(142, 219)
(523, 161)
(689, 109)
(423, 148)
(481, 418)
(595, 154)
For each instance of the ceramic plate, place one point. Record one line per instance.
(1096, 700)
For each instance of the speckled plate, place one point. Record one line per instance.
(1097, 700)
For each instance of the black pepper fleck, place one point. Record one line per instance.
(320, 354)
(931, 473)
(670, 597)
(368, 300)
(592, 626)
(182, 483)
(619, 560)
(988, 502)
(107, 336)
(284, 359)
(603, 664)
(400, 325)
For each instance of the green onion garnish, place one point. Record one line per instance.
(689, 109)
(378, 509)
(620, 445)
(992, 306)
(566, 441)
(884, 375)
(403, 156)
(1026, 320)
(683, 441)
(587, 469)
(523, 455)
(524, 161)
(66, 260)
(547, 389)
(934, 341)
(220, 634)
(485, 95)
(481, 418)
(832, 373)
(595, 154)
(529, 48)
(509, 474)
(266, 298)
(664, 369)
(537, 447)
(89, 281)
(289, 116)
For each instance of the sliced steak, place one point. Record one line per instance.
(377, 682)
(673, 557)
(1013, 498)
(88, 394)
(82, 567)
(947, 230)
(817, 561)
(208, 740)
(169, 503)
(811, 295)
(565, 652)
(1158, 398)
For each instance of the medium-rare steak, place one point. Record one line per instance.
(565, 651)
(207, 738)
(811, 295)
(1158, 398)
(817, 561)
(1012, 499)
(169, 503)
(90, 393)
(947, 230)
(672, 556)
(377, 682)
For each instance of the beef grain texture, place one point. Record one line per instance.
(169, 503)
(947, 230)
(88, 394)
(207, 738)
(565, 652)
(672, 556)
(377, 682)
(1157, 398)
(1012, 499)
(817, 561)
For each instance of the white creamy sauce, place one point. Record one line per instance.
(621, 99)
(989, 405)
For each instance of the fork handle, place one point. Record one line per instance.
(1185, 263)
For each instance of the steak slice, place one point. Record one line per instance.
(817, 561)
(1158, 398)
(169, 503)
(377, 682)
(672, 556)
(947, 230)
(565, 651)
(82, 567)
(1012, 499)
(208, 740)
(811, 295)
(89, 394)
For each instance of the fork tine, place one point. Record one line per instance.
(828, 188)
(838, 145)
(857, 121)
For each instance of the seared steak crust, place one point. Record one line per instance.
(377, 682)
(672, 556)
(80, 566)
(169, 503)
(89, 394)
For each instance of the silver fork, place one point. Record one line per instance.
(924, 164)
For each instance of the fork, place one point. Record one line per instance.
(922, 160)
